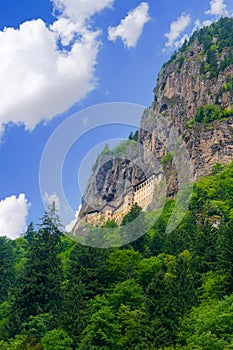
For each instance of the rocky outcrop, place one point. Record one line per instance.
(181, 87)
(199, 74)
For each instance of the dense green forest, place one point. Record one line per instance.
(163, 291)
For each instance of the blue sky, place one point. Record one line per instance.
(59, 57)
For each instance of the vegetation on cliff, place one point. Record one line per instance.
(215, 39)
(210, 113)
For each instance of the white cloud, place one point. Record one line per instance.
(13, 215)
(177, 28)
(218, 8)
(65, 30)
(70, 226)
(75, 16)
(131, 27)
(40, 79)
(81, 10)
(51, 199)
(198, 24)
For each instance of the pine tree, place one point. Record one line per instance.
(73, 316)
(170, 296)
(6, 268)
(86, 278)
(183, 285)
(39, 289)
(225, 254)
(30, 233)
(88, 264)
(132, 215)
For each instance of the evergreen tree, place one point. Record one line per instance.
(6, 268)
(158, 237)
(73, 316)
(183, 285)
(170, 295)
(56, 339)
(30, 233)
(39, 289)
(88, 264)
(86, 277)
(132, 215)
(225, 254)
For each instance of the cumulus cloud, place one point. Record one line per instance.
(79, 10)
(131, 27)
(45, 70)
(218, 8)
(13, 215)
(75, 16)
(71, 225)
(176, 29)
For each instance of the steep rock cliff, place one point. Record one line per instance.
(197, 77)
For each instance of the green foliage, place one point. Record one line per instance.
(228, 87)
(216, 168)
(123, 147)
(210, 113)
(166, 159)
(37, 326)
(133, 136)
(168, 290)
(56, 339)
(110, 224)
(6, 268)
(89, 265)
(214, 39)
(122, 263)
(170, 295)
(180, 61)
(16, 343)
(225, 254)
(30, 233)
(39, 290)
(119, 151)
(20, 246)
(66, 248)
(209, 326)
(116, 320)
(5, 308)
(147, 268)
(222, 32)
(190, 123)
(212, 286)
(132, 215)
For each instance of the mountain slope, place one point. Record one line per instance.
(194, 94)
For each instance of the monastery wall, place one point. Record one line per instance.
(142, 194)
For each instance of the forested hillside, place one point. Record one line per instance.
(164, 291)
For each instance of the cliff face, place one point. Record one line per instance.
(199, 75)
(195, 83)
(181, 87)
(109, 182)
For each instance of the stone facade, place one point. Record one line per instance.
(142, 194)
